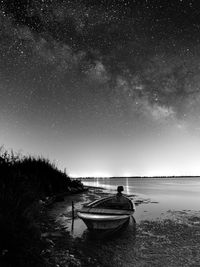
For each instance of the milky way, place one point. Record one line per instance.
(102, 87)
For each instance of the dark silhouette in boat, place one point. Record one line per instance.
(108, 213)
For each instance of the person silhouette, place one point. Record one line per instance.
(119, 191)
(122, 201)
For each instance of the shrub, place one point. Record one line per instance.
(23, 182)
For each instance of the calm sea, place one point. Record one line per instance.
(156, 196)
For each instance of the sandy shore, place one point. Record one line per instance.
(171, 241)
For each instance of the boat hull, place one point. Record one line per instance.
(107, 214)
(103, 222)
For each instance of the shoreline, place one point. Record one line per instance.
(152, 242)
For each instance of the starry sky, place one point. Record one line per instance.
(102, 87)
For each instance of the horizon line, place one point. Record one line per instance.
(137, 176)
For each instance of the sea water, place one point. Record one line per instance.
(165, 233)
(156, 196)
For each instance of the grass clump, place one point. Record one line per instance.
(24, 182)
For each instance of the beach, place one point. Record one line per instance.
(171, 239)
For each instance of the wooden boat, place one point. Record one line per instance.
(107, 213)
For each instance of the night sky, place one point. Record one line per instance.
(102, 88)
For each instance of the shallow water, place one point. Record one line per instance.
(155, 198)
(161, 194)
(167, 229)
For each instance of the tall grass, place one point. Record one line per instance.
(23, 182)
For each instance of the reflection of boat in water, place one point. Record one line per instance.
(107, 213)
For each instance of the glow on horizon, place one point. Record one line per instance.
(92, 174)
(128, 174)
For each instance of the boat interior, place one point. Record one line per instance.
(114, 203)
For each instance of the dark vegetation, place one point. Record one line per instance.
(26, 184)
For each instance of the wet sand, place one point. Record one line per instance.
(170, 240)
